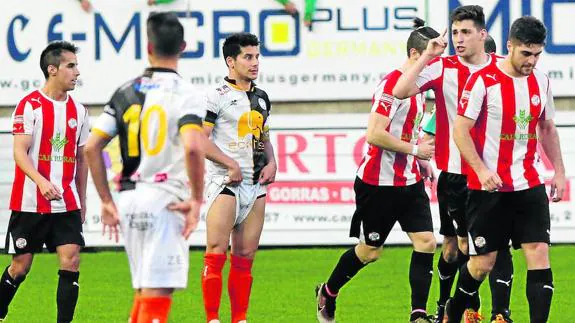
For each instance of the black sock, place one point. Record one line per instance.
(348, 265)
(461, 258)
(466, 294)
(8, 288)
(447, 271)
(420, 272)
(500, 282)
(539, 294)
(67, 295)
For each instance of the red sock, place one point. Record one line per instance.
(154, 309)
(135, 309)
(239, 286)
(212, 283)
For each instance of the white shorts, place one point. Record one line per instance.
(246, 195)
(157, 251)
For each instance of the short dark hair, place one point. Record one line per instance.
(234, 43)
(490, 46)
(419, 37)
(52, 53)
(470, 12)
(165, 33)
(528, 30)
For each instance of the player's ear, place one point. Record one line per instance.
(52, 70)
(230, 62)
(149, 48)
(509, 46)
(183, 46)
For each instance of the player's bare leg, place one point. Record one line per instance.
(539, 280)
(420, 273)
(12, 277)
(219, 224)
(245, 242)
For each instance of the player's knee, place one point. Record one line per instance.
(463, 245)
(19, 268)
(367, 254)
(425, 243)
(70, 262)
(536, 255)
(245, 253)
(216, 247)
(449, 249)
(481, 266)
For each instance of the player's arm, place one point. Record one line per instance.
(22, 144)
(81, 179)
(104, 130)
(213, 152)
(470, 106)
(82, 165)
(549, 139)
(23, 121)
(268, 173)
(407, 84)
(194, 140)
(382, 111)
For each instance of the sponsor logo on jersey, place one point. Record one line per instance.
(58, 142)
(523, 119)
(251, 122)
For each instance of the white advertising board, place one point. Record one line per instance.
(352, 44)
(313, 199)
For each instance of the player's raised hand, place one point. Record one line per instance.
(489, 179)
(557, 187)
(268, 174)
(234, 176)
(436, 46)
(425, 149)
(48, 190)
(110, 220)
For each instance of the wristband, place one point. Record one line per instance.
(414, 150)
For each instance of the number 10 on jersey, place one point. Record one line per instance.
(141, 126)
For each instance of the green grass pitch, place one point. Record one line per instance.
(284, 281)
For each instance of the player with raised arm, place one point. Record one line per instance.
(158, 118)
(242, 164)
(49, 191)
(389, 188)
(446, 76)
(506, 109)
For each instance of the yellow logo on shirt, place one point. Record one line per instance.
(251, 122)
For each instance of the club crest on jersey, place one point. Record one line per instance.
(262, 103)
(72, 123)
(535, 100)
(223, 90)
(21, 243)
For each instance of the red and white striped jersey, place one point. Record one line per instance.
(507, 110)
(57, 129)
(446, 76)
(388, 168)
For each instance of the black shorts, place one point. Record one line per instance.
(29, 231)
(452, 197)
(379, 207)
(495, 218)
